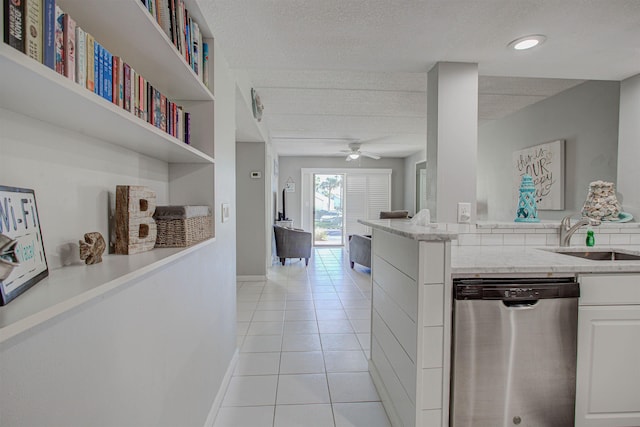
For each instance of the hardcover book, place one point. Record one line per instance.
(14, 23)
(49, 34)
(165, 20)
(81, 57)
(69, 40)
(187, 128)
(205, 63)
(98, 67)
(59, 41)
(91, 76)
(120, 83)
(126, 100)
(163, 113)
(114, 79)
(108, 76)
(135, 93)
(33, 29)
(157, 108)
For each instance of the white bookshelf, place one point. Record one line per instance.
(31, 89)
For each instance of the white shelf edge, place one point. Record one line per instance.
(93, 291)
(175, 151)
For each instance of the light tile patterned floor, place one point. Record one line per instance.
(304, 343)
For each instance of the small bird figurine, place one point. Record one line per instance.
(92, 248)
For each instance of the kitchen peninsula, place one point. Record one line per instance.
(413, 269)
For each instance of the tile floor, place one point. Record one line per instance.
(304, 341)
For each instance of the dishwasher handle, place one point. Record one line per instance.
(521, 305)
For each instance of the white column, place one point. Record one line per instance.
(452, 138)
(628, 146)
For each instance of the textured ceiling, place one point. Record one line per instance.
(333, 71)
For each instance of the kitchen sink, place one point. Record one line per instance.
(600, 255)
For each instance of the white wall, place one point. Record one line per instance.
(410, 179)
(291, 167)
(452, 135)
(585, 116)
(153, 353)
(629, 146)
(252, 208)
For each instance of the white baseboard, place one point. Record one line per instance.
(217, 402)
(251, 278)
(394, 418)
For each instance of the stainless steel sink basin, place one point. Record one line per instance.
(601, 255)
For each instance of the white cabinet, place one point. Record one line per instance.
(608, 367)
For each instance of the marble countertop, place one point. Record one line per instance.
(404, 228)
(476, 261)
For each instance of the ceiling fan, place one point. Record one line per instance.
(354, 153)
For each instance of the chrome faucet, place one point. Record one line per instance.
(566, 230)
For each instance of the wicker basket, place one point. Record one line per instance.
(178, 230)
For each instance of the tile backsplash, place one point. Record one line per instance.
(540, 234)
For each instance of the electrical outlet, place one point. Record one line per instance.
(464, 213)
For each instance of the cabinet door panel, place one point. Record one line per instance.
(608, 372)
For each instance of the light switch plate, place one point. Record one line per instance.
(464, 213)
(256, 174)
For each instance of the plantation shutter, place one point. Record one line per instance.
(366, 195)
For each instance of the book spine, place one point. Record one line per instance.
(142, 97)
(90, 63)
(174, 23)
(187, 128)
(33, 29)
(126, 99)
(81, 57)
(183, 40)
(120, 83)
(169, 118)
(151, 117)
(165, 19)
(163, 113)
(150, 103)
(114, 79)
(196, 48)
(100, 73)
(69, 40)
(49, 34)
(108, 79)
(205, 63)
(96, 68)
(59, 40)
(157, 108)
(136, 93)
(14, 21)
(180, 118)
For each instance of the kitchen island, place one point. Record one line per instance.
(412, 272)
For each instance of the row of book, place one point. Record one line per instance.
(175, 20)
(55, 40)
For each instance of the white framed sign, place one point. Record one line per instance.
(545, 164)
(19, 222)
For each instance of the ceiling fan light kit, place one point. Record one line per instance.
(354, 153)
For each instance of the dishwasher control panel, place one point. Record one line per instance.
(473, 290)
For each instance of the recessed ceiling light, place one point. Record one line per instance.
(527, 42)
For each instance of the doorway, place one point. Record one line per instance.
(328, 208)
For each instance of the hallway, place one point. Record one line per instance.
(304, 339)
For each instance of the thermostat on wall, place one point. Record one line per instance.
(256, 174)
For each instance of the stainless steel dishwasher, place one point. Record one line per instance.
(514, 352)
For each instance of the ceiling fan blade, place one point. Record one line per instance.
(371, 155)
(348, 159)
